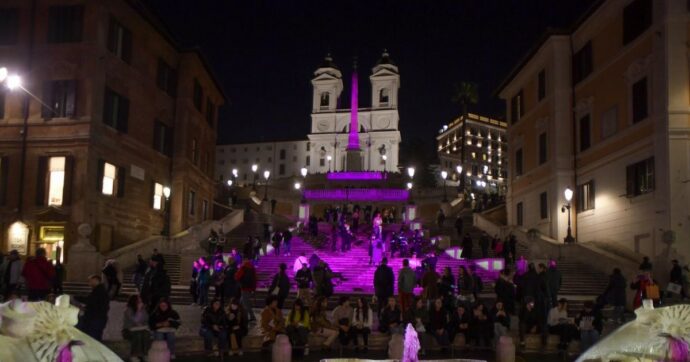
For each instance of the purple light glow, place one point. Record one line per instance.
(356, 176)
(358, 194)
(353, 140)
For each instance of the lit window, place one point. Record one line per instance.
(157, 196)
(109, 175)
(56, 169)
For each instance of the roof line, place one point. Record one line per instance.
(151, 17)
(544, 37)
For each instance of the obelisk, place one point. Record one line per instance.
(354, 152)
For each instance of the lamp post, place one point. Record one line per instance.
(235, 173)
(304, 172)
(166, 225)
(385, 162)
(255, 167)
(568, 193)
(444, 176)
(329, 158)
(410, 172)
(267, 174)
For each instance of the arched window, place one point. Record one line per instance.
(383, 96)
(325, 99)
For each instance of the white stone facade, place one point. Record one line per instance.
(378, 124)
(378, 135)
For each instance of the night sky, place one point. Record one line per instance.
(264, 53)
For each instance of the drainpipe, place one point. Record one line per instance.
(25, 110)
(574, 138)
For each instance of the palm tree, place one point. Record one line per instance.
(464, 94)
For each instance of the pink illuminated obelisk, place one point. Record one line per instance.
(354, 152)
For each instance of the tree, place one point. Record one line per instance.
(464, 94)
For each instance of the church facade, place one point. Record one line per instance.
(326, 145)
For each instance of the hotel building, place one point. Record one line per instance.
(478, 145)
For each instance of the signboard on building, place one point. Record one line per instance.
(137, 172)
(18, 237)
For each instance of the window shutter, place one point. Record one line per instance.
(69, 176)
(70, 98)
(630, 180)
(123, 115)
(46, 112)
(168, 141)
(126, 45)
(41, 177)
(172, 83)
(121, 176)
(4, 176)
(112, 35)
(99, 176)
(108, 107)
(591, 194)
(152, 194)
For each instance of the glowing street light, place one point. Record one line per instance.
(409, 185)
(444, 176)
(329, 158)
(568, 193)
(235, 173)
(255, 167)
(3, 74)
(304, 171)
(410, 172)
(230, 183)
(298, 185)
(166, 225)
(458, 168)
(14, 82)
(267, 174)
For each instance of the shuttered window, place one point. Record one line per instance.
(60, 98)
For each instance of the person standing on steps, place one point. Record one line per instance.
(280, 285)
(646, 264)
(440, 218)
(139, 272)
(554, 280)
(38, 276)
(277, 240)
(676, 277)
(484, 243)
(287, 242)
(11, 273)
(459, 225)
(159, 258)
(383, 284)
(96, 307)
(247, 278)
(406, 283)
(615, 294)
(304, 280)
(467, 247)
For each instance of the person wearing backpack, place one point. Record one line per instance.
(247, 278)
(280, 286)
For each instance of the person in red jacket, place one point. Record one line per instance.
(38, 276)
(247, 278)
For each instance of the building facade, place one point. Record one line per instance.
(604, 109)
(111, 113)
(281, 159)
(478, 145)
(326, 147)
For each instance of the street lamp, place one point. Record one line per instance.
(166, 225)
(303, 171)
(298, 186)
(267, 174)
(255, 167)
(329, 158)
(14, 82)
(385, 159)
(444, 176)
(568, 193)
(230, 182)
(410, 172)
(409, 185)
